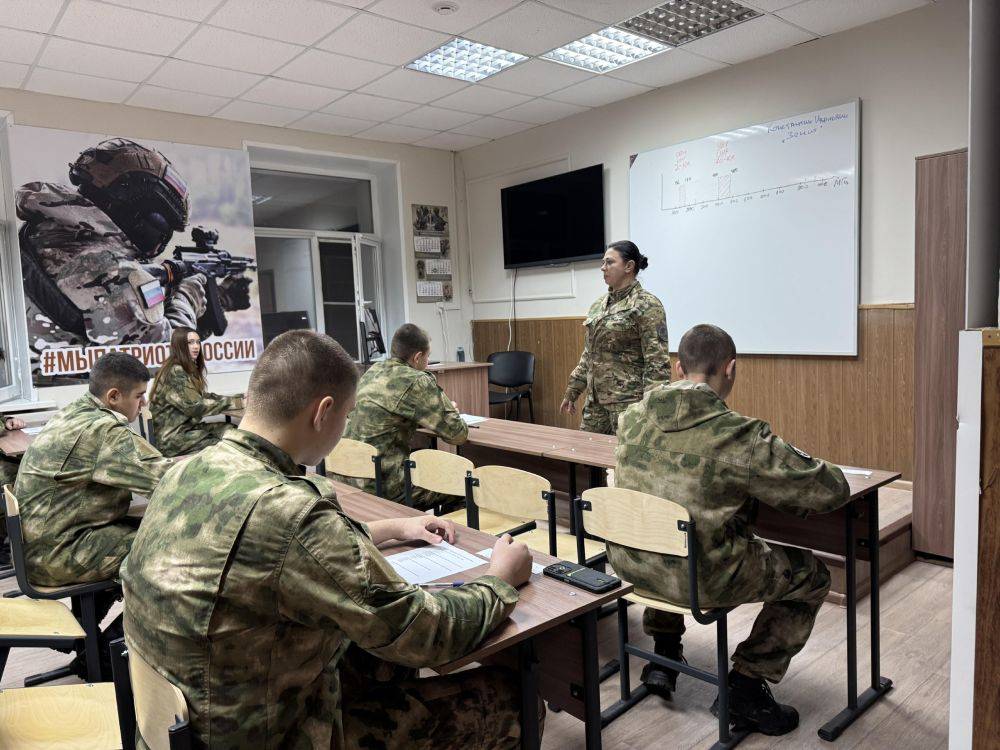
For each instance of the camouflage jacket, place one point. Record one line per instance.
(625, 351)
(178, 408)
(246, 583)
(76, 478)
(393, 401)
(682, 443)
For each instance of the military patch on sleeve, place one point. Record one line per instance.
(661, 331)
(799, 453)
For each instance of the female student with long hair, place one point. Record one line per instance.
(179, 402)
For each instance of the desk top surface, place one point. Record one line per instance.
(444, 366)
(15, 442)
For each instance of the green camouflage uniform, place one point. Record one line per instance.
(682, 443)
(74, 488)
(8, 473)
(178, 409)
(247, 583)
(625, 353)
(393, 401)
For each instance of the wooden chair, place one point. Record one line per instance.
(82, 598)
(82, 717)
(652, 524)
(524, 498)
(36, 623)
(148, 703)
(353, 458)
(437, 471)
(146, 425)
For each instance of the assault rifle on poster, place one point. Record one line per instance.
(215, 264)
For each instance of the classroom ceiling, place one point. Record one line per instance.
(337, 67)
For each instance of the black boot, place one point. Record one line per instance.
(751, 706)
(659, 680)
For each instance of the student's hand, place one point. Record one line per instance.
(511, 561)
(567, 406)
(13, 423)
(429, 529)
(455, 404)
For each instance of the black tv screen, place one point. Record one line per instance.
(554, 220)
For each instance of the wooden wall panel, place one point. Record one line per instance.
(853, 410)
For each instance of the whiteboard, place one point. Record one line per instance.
(756, 231)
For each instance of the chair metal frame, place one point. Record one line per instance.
(180, 734)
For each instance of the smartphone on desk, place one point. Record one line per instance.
(582, 577)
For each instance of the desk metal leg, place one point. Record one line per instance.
(857, 705)
(572, 497)
(528, 668)
(591, 681)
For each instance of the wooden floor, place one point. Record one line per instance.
(916, 635)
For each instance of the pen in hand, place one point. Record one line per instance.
(444, 585)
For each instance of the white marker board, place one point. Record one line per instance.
(756, 230)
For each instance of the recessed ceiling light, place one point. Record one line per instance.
(466, 60)
(605, 50)
(677, 22)
(445, 8)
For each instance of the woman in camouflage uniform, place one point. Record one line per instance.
(179, 402)
(625, 352)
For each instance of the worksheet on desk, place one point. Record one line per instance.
(426, 564)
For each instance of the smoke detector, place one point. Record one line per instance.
(445, 8)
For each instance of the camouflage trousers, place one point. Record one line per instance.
(792, 595)
(602, 418)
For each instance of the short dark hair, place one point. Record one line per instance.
(630, 252)
(296, 368)
(408, 340)
(116, 370)
(705, 349)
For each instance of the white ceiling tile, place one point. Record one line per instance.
(541, 111)
(536, 77)
(193, 10)
(369, 107)
(61, 83)
(12, 75)
(382, 39)
(19, 46)
(493, 127)
(748, 40)
(231, 49)
(281, 93)
(598, 91)
(481, 100)
(335, 71)
(605, 11)
(469, 13)
(532, 28)
(830, 16)
(89, 59)
(452, 141)
(122, 27)
(33, 15)
(387, 131)
(259, 113)
(296, 21)
(435, 118)
(203, 79)
(413, 86)
(664, 69)
(332, 124)
(769, 6)
(155, 97)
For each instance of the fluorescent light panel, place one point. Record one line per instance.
(605, 50)
(466, 60)
(677, 22)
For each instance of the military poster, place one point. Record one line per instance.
(432, 250)
(123, 240)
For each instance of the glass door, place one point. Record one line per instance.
(368, 282)
(11, 301)
(339, 293)
(287, 283)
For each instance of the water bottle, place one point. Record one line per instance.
(460, 354)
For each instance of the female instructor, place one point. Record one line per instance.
(625, 352)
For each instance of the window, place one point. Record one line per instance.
(325, 203)
(15, 374)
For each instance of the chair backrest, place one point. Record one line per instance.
(159, 704)
(635, 519)
(11, 507)
(512, 492)
(511, 369)
(352, 458)
(439, 471)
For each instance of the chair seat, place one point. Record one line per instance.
(81, 717)
(490, 522)
(538, 540)
(38, 618)
(659, 604)
(496, 397)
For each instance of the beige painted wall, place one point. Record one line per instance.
(911, 72)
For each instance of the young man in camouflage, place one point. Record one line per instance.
(683, 443)
(396, 398)
(247, 583)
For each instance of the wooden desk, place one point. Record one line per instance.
(466, 383)
(553, 629)
(15, 442)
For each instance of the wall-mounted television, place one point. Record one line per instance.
(554, 220)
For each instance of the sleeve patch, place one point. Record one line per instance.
(661, 331)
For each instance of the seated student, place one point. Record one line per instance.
(8, 473)
(179, 402)
(683, 443)
(395, 398)
(247, 583)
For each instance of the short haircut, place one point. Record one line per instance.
(705, 349)
(116, 370)
(294, 370)
(408, 340)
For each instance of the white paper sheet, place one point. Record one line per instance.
(432, 562)
(32, 430)
(488, 554)
(472, 419)
(858, 472)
